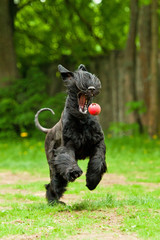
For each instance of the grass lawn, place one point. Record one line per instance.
(125, 205)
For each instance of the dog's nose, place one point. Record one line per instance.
(91, 88)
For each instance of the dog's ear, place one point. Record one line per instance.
(82, 67)
(64, 72)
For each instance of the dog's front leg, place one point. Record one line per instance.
(66, 164)
(96, 166)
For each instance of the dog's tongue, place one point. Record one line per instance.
(82, 104)
(82, 101)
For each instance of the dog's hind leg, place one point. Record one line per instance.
(96, 166)
(57, 185)
(55, 189)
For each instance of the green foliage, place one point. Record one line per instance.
(121, 128)
(145, 2)
(137, 106)
(20, 101)
(45, 32)
(114, 23)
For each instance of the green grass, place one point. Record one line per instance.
(132, 207)
(136, 158)
(23, 155)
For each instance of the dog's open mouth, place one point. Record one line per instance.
(83, 103)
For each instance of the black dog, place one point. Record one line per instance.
(77, 135)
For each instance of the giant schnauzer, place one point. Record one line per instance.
(76, 136)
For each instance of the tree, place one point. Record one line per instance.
(8, 68)
(144, 59)
(153, 106)
(130, 60)
(45, 32)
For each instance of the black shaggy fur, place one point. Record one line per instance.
(76, 136)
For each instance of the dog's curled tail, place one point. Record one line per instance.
(45, 130)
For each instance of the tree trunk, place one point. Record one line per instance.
(143, 87)
(114, 85)
(8, 69)
(101, 68)
(153, 108)
(120, 77)
(130, 61)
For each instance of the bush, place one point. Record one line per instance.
(123, 129)
(20, 101)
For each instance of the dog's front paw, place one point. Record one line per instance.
(73, 174)
(94, 175)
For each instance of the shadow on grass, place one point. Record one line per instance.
(109, 201)
(88, 204)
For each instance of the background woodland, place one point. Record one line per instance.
(117, 40)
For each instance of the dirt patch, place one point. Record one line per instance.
(104, 235)
(107, 180)
(5, 208)
(70, 198)
(111, 179)
(10, 178)
(15, 178)
(107, 228)
(11, 190)
(22, 237)
(150, 185)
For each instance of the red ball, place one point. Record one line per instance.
(94, 109)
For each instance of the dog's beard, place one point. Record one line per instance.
(83, 103)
